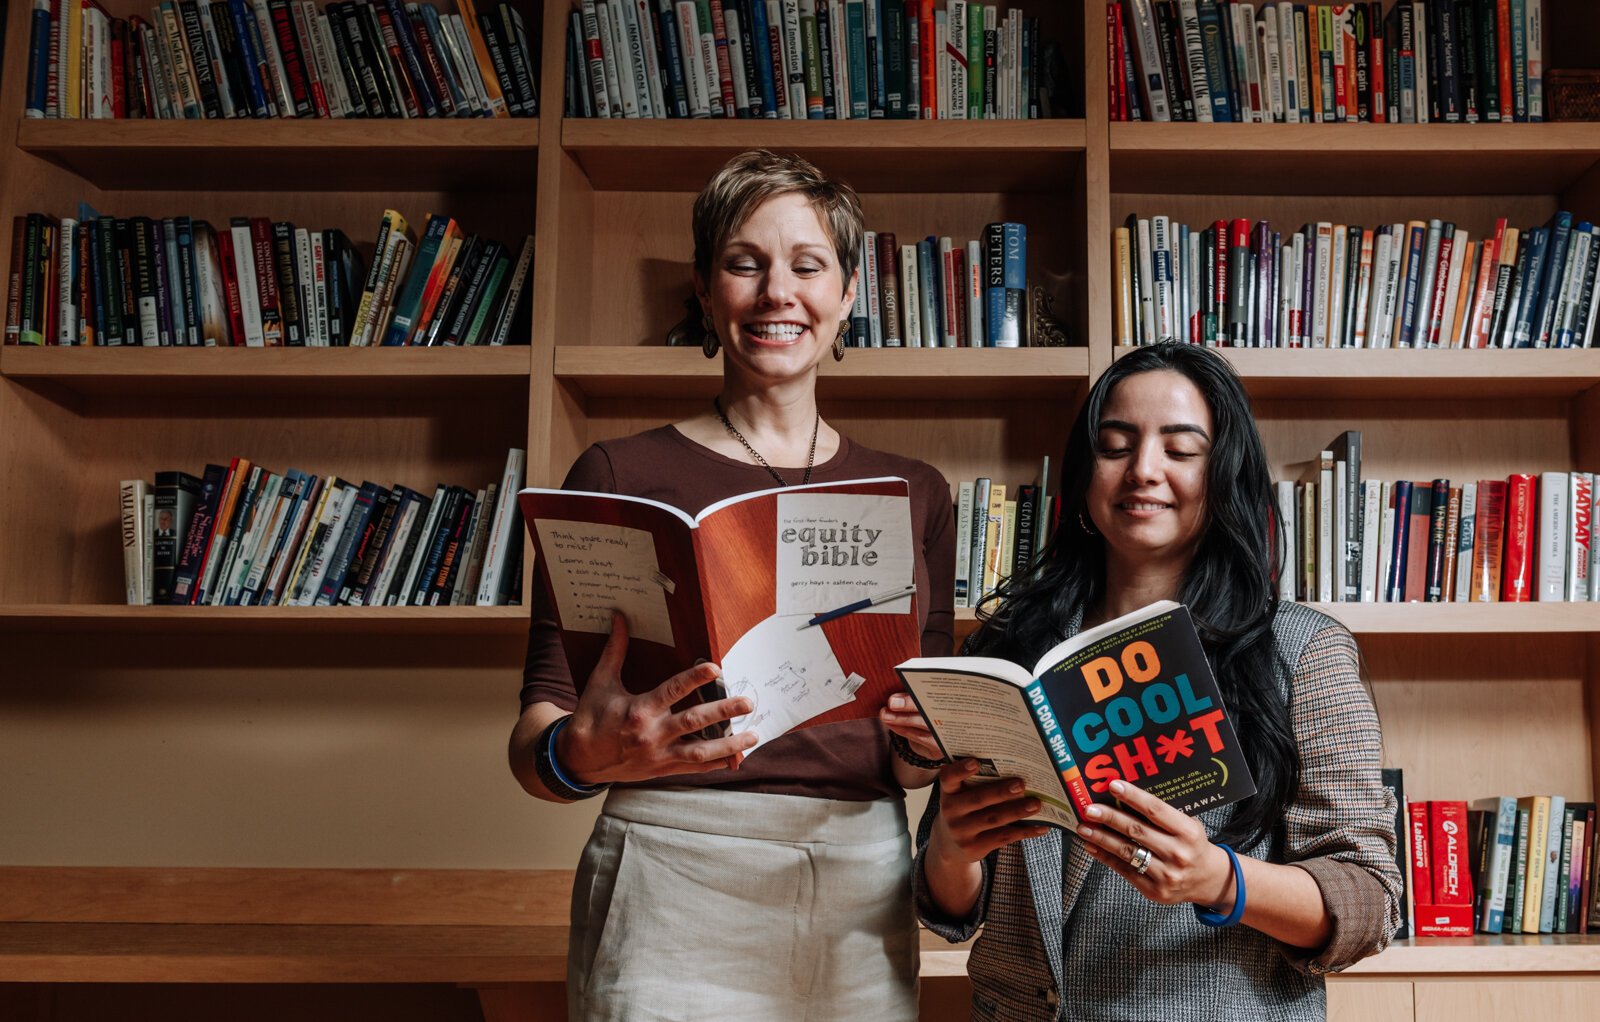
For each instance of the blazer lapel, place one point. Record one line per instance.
(1043, 858)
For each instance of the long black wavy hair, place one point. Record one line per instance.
(1230, 587)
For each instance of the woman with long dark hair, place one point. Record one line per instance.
(1146, 912)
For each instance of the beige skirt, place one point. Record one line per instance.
(695, 904)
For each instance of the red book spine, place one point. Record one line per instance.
(927, 43)
(1421, 860)
(1452, 877)
(230, 286)
(1503, 44)
(119, 41)
(723, 70)
(1516, 569)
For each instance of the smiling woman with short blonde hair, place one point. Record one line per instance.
(716, 886)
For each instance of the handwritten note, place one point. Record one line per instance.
(837, 548)
(790, 674)
(594, 568)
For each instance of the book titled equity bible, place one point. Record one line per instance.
(805, 596)
(1132, 699)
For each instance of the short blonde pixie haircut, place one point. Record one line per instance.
(753, 177)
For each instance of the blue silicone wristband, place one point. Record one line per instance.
(561, 775)
(1210, 918)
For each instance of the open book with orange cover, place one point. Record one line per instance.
(742, 585)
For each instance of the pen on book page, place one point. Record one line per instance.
(871, 601)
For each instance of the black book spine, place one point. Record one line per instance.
(1437, 521)
(368, 553)
(125, 271)
(496, 44)
(454, 289)
(433, 553)
(284, 259)
(1168, 32)
(825, 56)
(343, 55)
(473, 294)
(455, 550)
(517, 59)
(1467, 32)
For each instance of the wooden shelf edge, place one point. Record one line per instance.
(68, 363)
(1485, 953)
(45, 136)
(1060, 135)
(1312, 139)
(111, 618)
(1434, 618)
(942, 373)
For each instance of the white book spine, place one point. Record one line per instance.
(1195, 58)
(956, 52)
(614, 17)
(611, 58)
(910, 298)
(1338, 261)
(147, 573)
(244, 265)
(1288, 523)
(1452, 289)
(1272, 65)
(963, 543)
(1258, 105)
(504, 531)
(1466, 540)
(319, 288)
(733, 30)
(1553, 535)
(594, 57)
(1371, 523)
(941, 62)
(794, 59)
(1385, 541)
(637, 39)
(1325, 520)
(131, 505)
(1147, 289)
(1374, 328)
(1322, 292)
(648, 25)
(1288, 46)
(1580, 535)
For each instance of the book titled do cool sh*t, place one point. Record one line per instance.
(1132, 699)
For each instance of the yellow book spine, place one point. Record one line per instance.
(73, 104)
(1538, 845)
(991, 546)
(480, 53)
(1124, 306)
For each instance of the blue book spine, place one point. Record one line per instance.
(247, 31)
(1519, 63)
(1555, 271)
(1402, 538)
(672, 56)
(856, 52)
(994, 283)
(1497, 870)
(1528, 309)
(826, 58)
(406, 37)
(760, 43)
(436, 32)
(1213, 47)
(405, 309)
(38, 61)
(1014, 300)
(97, 283)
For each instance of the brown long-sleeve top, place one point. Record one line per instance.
(849, 761)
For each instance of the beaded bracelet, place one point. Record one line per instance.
(1210, 918)
(550, 773)
(902, 748)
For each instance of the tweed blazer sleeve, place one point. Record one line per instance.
(1340, 826)
(932, 916)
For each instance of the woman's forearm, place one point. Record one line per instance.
(953, 884)
(1284, 903)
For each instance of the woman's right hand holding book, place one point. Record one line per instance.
(615, 735)
(974, 819)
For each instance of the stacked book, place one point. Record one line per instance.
(940, 293)
(1424, 61)
(1416, 284)
(1497, 865)
(197, 59)
(1514, 540)
(242, 535)
(800, 59)
(176, 281)
(999, 532)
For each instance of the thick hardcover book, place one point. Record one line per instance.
(1521, 511)
(1133, 699)
(805, 596)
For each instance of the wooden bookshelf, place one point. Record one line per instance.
(252, 156)
(283, 622)
(244, 372)
(1472, 697)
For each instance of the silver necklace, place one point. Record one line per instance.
(716, 402)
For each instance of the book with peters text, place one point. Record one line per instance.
(1132, 699)
(741, 584)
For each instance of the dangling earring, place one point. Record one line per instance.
(710, 342)
(838, 341)
(1083, 523)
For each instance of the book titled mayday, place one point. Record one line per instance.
(1132, 699)
(805, 596)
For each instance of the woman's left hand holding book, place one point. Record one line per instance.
(615, 735)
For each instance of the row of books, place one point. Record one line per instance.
(1500, 865)
(940, 293)
(1426, 61)
(175, 281)
(279, 58)
(999, 531)
(1515, 540)
(1419, 284)
(243, 535)
(803, 59)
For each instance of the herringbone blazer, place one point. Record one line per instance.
(1063, 938)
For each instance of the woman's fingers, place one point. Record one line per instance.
(1122, 828)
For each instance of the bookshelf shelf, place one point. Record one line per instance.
(276, 155)
(1364, 373)
(1364, 619)
(374, 372)
(945, 374)
(1484, 954)
(269, 621)
(1351, 159)
(874, 156)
